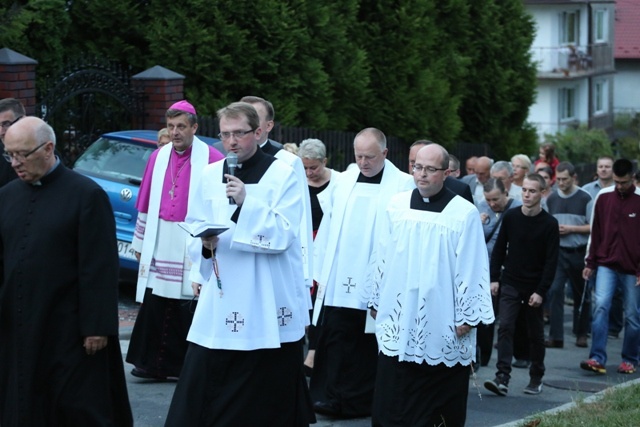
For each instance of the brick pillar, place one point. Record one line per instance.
(18, 78)
(161, 88)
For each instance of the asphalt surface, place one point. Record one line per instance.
(564, 382)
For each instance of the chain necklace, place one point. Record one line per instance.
(216, 271)
(175, 178)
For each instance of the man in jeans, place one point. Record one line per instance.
(532, 237)
(614, 252)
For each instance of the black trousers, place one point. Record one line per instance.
(345, 363)
(486, 334)
(419, 394)
(513, 301)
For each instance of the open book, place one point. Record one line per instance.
(202, 229)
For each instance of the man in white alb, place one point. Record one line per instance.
(244, 362)
(345, 361)
(431, 287)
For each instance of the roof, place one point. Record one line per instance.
(627, 39)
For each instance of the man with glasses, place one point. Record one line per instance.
(345, 362)
(244, 363)
(60, 358)
(431, 288)
(11, 110)
(158, 341)
(614, 255)
(453, 184)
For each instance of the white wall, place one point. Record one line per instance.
(626, 86)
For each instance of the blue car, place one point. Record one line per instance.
(116, 161)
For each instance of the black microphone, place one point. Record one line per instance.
(232, 164)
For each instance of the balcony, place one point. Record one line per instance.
(561, 62)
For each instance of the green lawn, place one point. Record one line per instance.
(618, 407)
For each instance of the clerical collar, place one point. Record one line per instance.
(253, 160)
(183, 152)
(55, 165)
(376, 179)
(269, 148)
(436, 203)
(436, 197)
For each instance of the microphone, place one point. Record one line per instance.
(232, 164)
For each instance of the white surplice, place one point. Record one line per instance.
(347, 236)
(306, 225)
(431, 275)
(163, 242)
(263, 301)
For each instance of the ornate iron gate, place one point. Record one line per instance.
(88, 99)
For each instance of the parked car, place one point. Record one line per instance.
(116, 161)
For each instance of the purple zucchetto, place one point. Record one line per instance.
(184, 106)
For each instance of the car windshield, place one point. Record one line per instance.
(115, 160)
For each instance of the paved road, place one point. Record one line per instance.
(564, 382)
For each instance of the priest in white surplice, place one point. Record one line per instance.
(345, 360)
(266, 113)
(158, 345)
(431, 287)
(244, 362)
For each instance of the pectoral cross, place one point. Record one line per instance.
(171, 192)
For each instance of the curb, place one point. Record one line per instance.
(597, 396)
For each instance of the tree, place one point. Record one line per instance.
(27, 29)
(502, 78)
(411, 95)
(581, 145)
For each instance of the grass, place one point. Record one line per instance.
(619, 407)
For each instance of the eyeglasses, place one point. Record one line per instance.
(6, 124)
(19, 156)
(428, 169)
(237, 134)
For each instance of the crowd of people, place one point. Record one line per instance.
(394, 278)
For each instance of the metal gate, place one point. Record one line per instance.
(88, 99)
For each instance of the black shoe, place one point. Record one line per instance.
(141, 373)
(329, 409)
(498, 386)
(534, 387)
(554, 343)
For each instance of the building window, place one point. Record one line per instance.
(567, 104)
(600, 97)
(570, 28)
(600, 22)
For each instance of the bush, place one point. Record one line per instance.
(581, 145)
(627, 128)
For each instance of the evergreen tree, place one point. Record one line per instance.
(502, 78)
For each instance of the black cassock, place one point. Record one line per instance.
(59, 284)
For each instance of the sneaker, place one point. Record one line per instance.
(534, 387)
(498, 386)
(594, 366)
(626, 368)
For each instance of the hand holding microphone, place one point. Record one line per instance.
(232, 164)
(235, 187)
